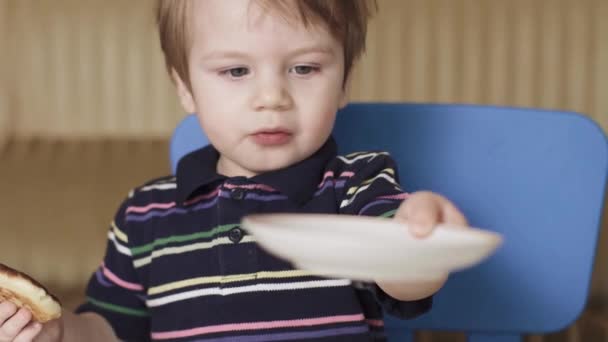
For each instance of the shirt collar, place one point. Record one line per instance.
(299, 182)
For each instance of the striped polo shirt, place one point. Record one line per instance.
(178, 267)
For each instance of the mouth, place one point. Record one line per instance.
(272, 137)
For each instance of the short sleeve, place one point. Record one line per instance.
(114, 290)
(374, 190)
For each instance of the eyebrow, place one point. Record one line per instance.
(312, 49)
(298, 51)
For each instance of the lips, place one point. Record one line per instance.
(271, 137)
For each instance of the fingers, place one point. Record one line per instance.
(16, 324)
(424, 210)
(451, 214)
(13, 326)
(7, 310)
(29, 332)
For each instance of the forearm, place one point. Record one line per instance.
(76, 328)
(415, 290)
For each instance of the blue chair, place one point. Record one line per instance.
(538, 177)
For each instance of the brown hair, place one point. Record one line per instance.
(346, 20)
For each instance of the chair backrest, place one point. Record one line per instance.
(538, 177)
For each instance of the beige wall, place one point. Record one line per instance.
(89, 68)
(540, 53)
(93, 68)
(4, 82)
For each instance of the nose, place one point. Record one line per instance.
(272, 94)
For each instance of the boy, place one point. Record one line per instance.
(266, 79)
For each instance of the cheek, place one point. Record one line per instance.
(206, 92)
(326, 99)
(214, 98)
(319, 110)
(212, 110)
(319, 123)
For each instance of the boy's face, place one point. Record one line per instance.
(265, 90)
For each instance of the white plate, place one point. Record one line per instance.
(368, 248)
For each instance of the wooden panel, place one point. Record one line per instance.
(542, 53)
(90, 69)
(94, 68)
(75, 189)
(598, 52)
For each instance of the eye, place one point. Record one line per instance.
(304, 69)
(236, 72)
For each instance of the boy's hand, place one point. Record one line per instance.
(424, 210)
(17, 325)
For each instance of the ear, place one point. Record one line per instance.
(345, 96)
(184, 93)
